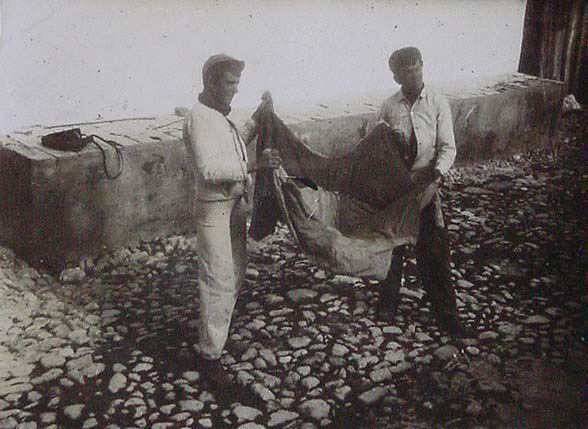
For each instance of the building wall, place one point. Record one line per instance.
(555, 43)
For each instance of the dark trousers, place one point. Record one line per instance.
(434, 266)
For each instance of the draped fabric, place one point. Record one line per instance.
(363, 208)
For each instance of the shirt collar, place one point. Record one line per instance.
(422, 95)
(207, 98)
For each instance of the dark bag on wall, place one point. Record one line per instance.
(68, 140)
(73, 140)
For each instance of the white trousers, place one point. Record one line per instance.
(222, 261)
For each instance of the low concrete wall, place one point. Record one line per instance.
(59, 207)
(502, 116)
(56, 210)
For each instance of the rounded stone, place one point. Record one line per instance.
(192, 405)
(191, 376)
(339, 350)
(74, 411)
(205, 423)
(299, 295)
(474, 351)
(316, 409)
(117, 382)
(246, 414)
(446, 352)
(298, 342)
(52, 360)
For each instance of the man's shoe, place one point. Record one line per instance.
(454, 328)
(214, 373)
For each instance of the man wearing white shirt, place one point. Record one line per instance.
(423, 118)
(218, 159)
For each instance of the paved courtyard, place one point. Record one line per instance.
(109, 344)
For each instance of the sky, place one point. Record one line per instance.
(64, 61)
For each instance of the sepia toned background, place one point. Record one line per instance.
(65, 61)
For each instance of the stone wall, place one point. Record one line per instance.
(500, 117)
(59, 207)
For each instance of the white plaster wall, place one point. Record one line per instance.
(72, 60)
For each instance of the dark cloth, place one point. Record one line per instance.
(373, 172)
(267, 210)
(411, 152)
(363, 208)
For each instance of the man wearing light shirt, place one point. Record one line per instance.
(218, 159)
(423, 118)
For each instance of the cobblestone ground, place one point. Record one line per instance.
(110, 343)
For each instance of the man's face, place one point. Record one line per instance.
(227, 87)
(410, 77)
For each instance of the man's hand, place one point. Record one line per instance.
(425, 177)
(270, 158)
(238, 189)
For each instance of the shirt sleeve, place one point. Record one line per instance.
(205, 155)
(446, 149)
(382, 114)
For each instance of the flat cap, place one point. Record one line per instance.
(214, 62)
(404, 57)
